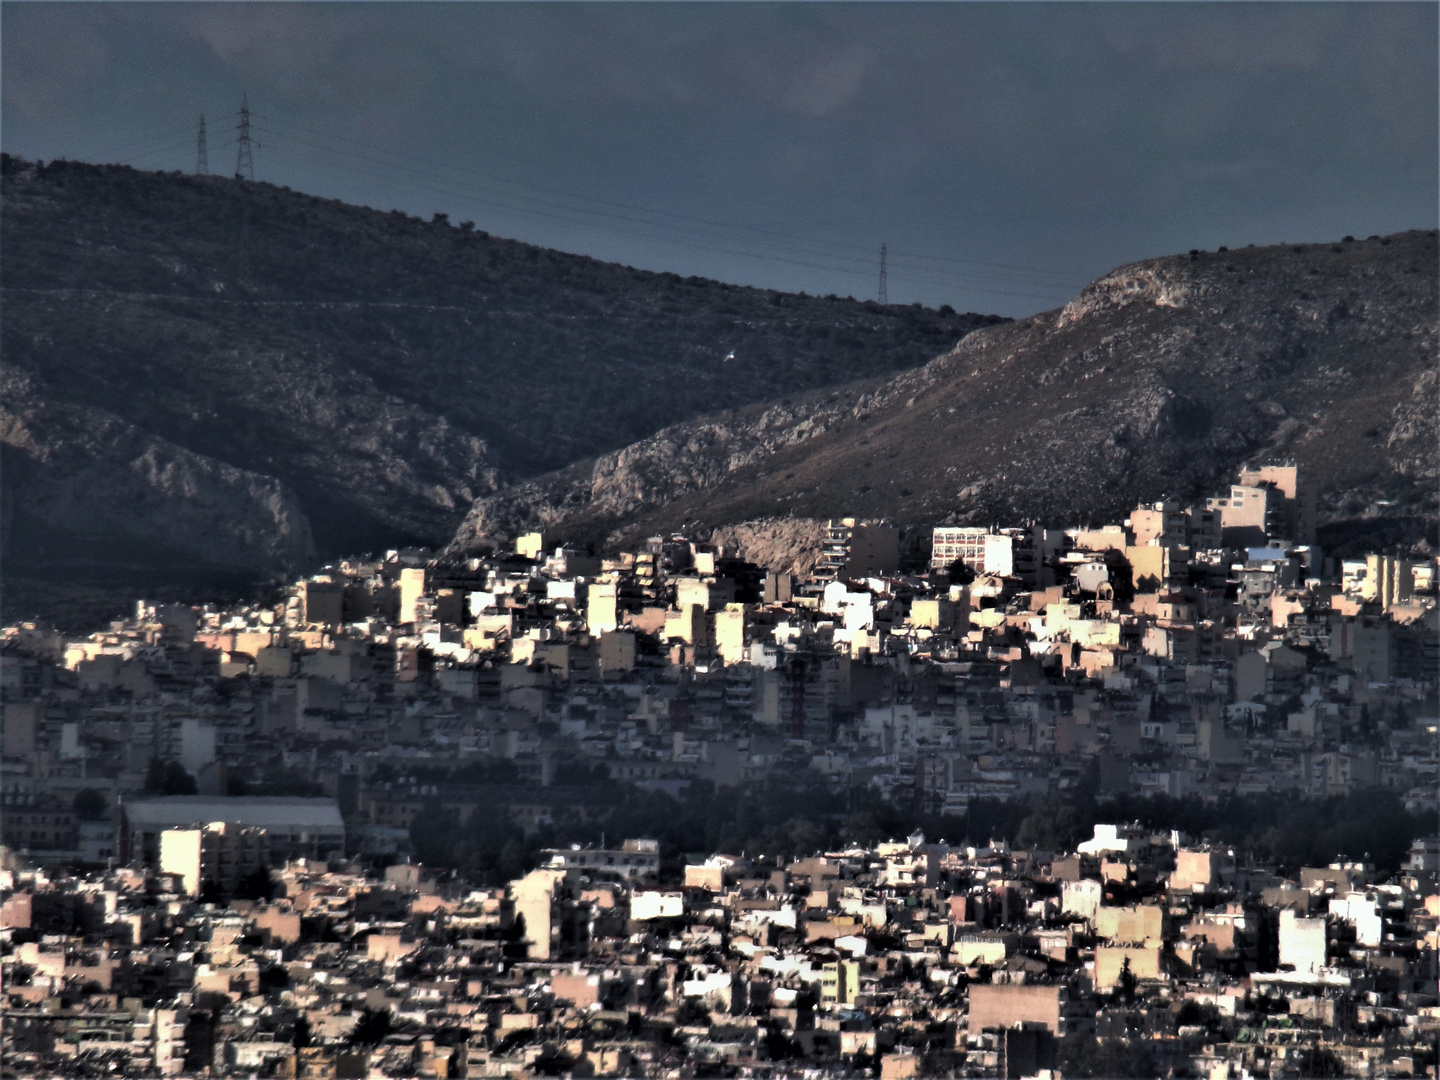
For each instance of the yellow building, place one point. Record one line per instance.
(1110, 961)
(1131, 925)
(840, 982)
(530, 546)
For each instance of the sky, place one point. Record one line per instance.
(1003, 153)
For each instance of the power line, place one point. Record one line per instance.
(345, 159)
(165, 134)
(538, 201)
(970, 274)
(412, 179)
(410, 159)
(175, 148)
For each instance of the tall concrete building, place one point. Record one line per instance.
(1265, 504)
(852, 549)
(218, 853)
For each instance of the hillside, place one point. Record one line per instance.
(1160, 378)
(209, 379)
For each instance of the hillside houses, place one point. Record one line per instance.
(296, 755)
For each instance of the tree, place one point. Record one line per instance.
(515, 947)
(779, 1047)
(275, 977)
(1053, 823)
(1318, 1062)
(90, 804)
(255, 885)
(1081, 1057)
(691, 1012)
(212, 893)
(169, 778)
(1127, 982)
(959, 573)
(371, 1028)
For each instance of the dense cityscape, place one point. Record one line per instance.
(765, 541)
(1155, 798)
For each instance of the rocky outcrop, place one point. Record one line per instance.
(1412, 444)
(81, 479)
(672, 463)
(786, 545)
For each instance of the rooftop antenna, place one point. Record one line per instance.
(244, 163)
(884, 297)
(202, 160)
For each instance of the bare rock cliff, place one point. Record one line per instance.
(82, 479)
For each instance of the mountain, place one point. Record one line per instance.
(1161, 377)
(209, 379)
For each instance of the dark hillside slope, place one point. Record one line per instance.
(1160, 378)
(209, 373)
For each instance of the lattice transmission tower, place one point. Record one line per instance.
(244, 162)
(884, 296)
(202, 158)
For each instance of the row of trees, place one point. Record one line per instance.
(790, 819)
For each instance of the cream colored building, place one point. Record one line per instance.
(602, 609)
(982, 550)
(689, 625)
(1273, 501)
(1302, 942)
(730, 633)
(219, 853)
(1388, 580)
(840, 982)
(534, 898)
(412, 588)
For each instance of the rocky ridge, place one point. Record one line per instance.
(337, 379)
(1160, 378)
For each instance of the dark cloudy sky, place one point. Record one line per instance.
(1005, 153)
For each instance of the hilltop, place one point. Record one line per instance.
(1161, 377)
(210, 379)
